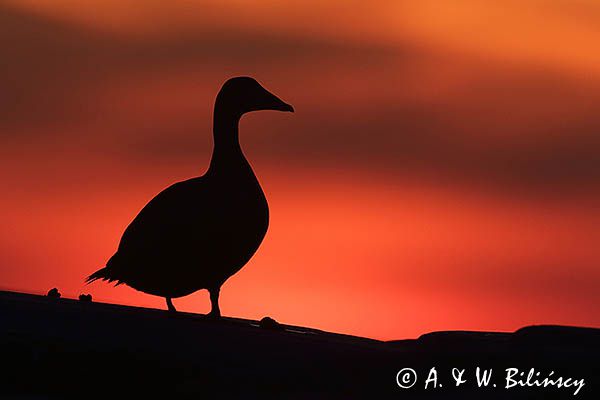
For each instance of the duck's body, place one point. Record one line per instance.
(197, 233)
(215, 225)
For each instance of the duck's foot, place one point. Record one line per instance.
(214, 315)
(170, 305)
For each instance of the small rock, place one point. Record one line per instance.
(85, 297)
(271, 324)
(54, 293)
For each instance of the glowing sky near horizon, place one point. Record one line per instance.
(442, 169)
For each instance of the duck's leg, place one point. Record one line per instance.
(214, 303)
(170, 305)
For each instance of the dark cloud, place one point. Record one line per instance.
(358, 106)
(47, 63)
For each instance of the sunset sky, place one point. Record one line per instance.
(441, 171)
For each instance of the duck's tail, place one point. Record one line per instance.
(103, 274)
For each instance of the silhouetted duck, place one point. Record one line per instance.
(197, 233)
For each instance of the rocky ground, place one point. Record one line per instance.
(54, 347)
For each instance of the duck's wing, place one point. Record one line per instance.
(177, 218)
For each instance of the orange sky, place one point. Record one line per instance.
(441, 171)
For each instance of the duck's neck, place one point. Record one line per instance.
(227, 152)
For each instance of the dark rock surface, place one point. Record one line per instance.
(55, 348)
(85, 298)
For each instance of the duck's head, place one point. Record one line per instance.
(244, 94)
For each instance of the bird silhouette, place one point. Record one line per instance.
(197, 233)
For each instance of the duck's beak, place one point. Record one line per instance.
(275, 103)
(286, 107)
